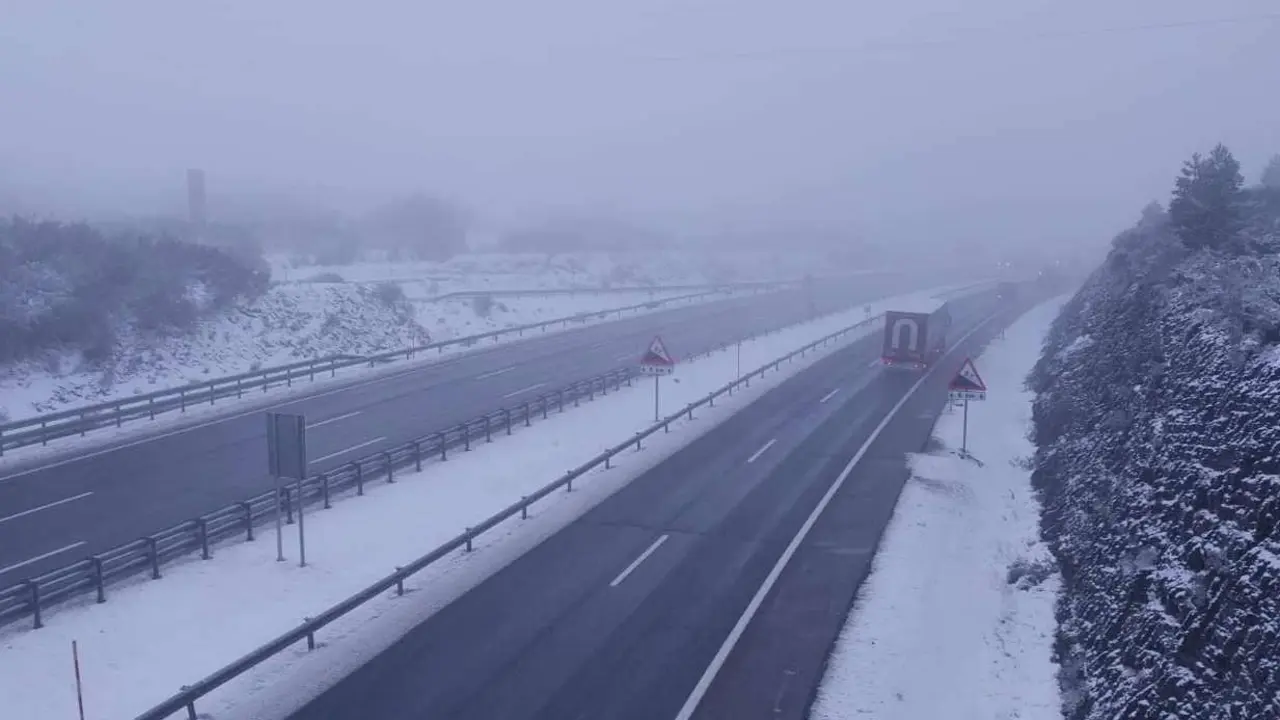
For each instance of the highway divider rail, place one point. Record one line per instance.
(306, 632)
(39, 430)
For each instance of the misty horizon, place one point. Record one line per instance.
(1000, 122)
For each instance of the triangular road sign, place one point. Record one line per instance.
(657, 354)
(968, 378)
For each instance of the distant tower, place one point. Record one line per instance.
(196, 211)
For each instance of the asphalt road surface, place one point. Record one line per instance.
(621, 613)
(63, 511)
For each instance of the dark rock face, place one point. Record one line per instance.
(1157, 425)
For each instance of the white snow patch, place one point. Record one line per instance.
(938, 630)
(151, 637)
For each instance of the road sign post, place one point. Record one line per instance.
(966, 385)
(287, 458)
(657, 362)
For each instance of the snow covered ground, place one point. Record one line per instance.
(151, 637)
(956, 620)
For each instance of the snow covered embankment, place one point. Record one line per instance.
(956, 619)
(1157, 425)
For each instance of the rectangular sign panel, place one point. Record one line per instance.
(287, 445)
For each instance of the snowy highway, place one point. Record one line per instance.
(66, 510)
(710, 586)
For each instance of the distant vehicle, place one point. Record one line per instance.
(1007, 292)
(915, 337)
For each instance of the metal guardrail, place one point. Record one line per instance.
(79, 421)
(189, 694)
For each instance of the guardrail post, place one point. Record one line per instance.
(506, 419)
(469, 538)
(560, 400)
(333, 368)
(607, 458)
(390, 469)
(637, 441)
(591, 389)
(182, 398)
(524, 507)
(359, 478)
(466, 437)
(239, 389)
(526, 414)
(288, 505)
(118, 411)
(84, 417)
(666, 426)
(444, 446)
(324, 489)
(690, 412)
(288, 378)
(211, 392)
(488, 431)
(417, 455)
(154, 552)
(545, 402)
(399, 582)
(248, 521)
(34, 587)
(191, 707)
(311, 366)
(202, 528)
(311, 636)
(98, 578)
(711, 400)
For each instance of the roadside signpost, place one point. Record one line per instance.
(287, 458)
(657, 362)
(965, 386)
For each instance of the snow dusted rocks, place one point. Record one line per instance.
(1157, 421)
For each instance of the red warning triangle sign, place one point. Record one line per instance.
(657, 354)
(968, 378)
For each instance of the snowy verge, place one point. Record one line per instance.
(956, 619)
(142, 645)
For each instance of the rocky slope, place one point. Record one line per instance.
(1157, 422)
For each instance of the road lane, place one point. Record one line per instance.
(149, 486)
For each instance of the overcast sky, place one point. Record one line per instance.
(910, 120)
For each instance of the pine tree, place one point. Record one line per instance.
(1205, 209)
(1154, 213)
(1271, 175)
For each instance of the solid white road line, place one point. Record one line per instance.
(322, 423)
(534, 386)
(38, 558)
(56, 503)
(761, 451)
(829, 395)
(367, 443)
(636, 563)
(495, 373)
(717, 662)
